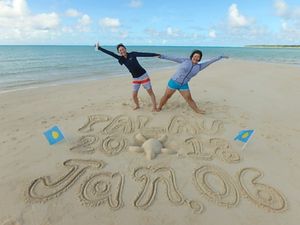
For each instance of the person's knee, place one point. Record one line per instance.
(150, 92)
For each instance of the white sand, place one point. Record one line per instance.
(209, 181)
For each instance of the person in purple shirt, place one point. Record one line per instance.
(188, 68)
(139, 74)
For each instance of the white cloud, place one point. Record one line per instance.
(18, 23)
(85, 20)
(281, 8)
(172, 32)
(289, 33)
(167, 33)
(290, 24)
(67, 30)
(45, 21)
(113, 25)
(237, 20)
(135, 3)
(212, 34)
(83, 23)
(73, 13)
(152, 32)
(285, 11)
(110, 22)
(195, 36)
(13, 8)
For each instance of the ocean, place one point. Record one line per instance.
(33, 66)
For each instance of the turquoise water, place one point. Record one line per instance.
(30, 66)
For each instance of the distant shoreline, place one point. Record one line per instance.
(272, 46)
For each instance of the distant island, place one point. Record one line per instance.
(272, 46)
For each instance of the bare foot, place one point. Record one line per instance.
(154, 110)
(137, 107)
(158, 109)
(201, 111)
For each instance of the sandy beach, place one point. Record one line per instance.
(100, 172)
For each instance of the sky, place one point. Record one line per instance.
(150, 22)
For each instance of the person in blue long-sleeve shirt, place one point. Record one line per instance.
(139, 74)
(188, 68)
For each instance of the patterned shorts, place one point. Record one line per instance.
(144, 80)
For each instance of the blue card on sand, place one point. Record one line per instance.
(54, 135)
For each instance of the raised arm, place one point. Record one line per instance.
(207, 63)
(174, 59)
(98, 47)
(145, 54)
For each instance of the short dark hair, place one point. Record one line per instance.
(120, 45)
(196, 52)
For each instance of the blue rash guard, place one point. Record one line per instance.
(131, 61)
(187, 69)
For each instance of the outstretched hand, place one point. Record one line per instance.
(97, 46)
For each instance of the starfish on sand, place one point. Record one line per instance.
(151, 147)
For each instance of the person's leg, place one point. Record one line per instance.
(135, 100)
(153, 99)
(168, 94)
(147, 85)
(135, 90)
(186, 94)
